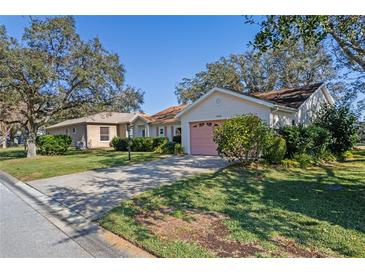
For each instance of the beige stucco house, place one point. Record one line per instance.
(195, 122)
(96, 131)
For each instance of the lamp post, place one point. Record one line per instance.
(129, 141)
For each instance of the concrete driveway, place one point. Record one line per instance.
(93, 193)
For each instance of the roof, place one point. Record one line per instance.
(285, 99)
(290, 97)
(99, 118)
(167, 115)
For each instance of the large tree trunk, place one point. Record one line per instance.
(31, 145)
(3, 138)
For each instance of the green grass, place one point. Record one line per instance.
(14, 162)
(318, 209)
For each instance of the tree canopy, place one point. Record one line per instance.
(342, 36)
(51, 70)
(289, 65)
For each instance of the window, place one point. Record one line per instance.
(162, 131)
(143, 133)
(104, 134)
(73, 130)
(66, 131)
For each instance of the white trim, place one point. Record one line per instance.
(236, 94)
(327, 94)
(139, 116)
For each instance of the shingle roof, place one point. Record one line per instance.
(103, 117)
(290, 97)
(167, 115)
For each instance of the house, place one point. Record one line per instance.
(195, 122)
(96, 131)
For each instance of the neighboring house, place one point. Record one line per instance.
(94, 131)
(195, 122)
(98, 130)
(161, 124)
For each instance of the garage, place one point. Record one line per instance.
(201, 137)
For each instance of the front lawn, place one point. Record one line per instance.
(264, 212)
(13, 161)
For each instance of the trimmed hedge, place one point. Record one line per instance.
(53, 144)
(119, 144)
(142, 144)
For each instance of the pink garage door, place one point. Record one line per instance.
(201, 137)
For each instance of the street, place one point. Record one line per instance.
(26, 233)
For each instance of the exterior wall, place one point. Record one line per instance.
(93, 135)
(226, 107)
(281, 118)
(122, 130)
(169, 129)
(310, 106)
(138, 126)
(79, 135)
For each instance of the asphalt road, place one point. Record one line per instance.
(26, 233)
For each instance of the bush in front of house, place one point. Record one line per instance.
(242, 138)
(341, 124)
(141, 144)
(274, 153)
(157, 141)
(312, 140)
(119, 144)
(53, 144)
(168, 147)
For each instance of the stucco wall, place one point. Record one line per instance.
(79, 135)
(226, 107)
(281, 118)
(93, 135)
(310, 106)
(122, 130)
(169, 129)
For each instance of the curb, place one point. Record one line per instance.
(97, 241)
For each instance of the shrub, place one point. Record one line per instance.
(169, 148)
(242, 138)
(119, 144)
(274, 153)
(53, 144)
(312, 140)
(288, 163)
(142, 144)
(327, 156)
(145, 144)
(166, 148)
(341, 123)
(292, 136)
(177, 139)
(318, 139)
(304, 160)
(179, 150)
(345, 156)
(157, 141)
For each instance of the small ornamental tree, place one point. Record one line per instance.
(242, 138)
(341, 124)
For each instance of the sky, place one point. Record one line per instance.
(159, 51)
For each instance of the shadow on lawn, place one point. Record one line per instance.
(262, 204)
